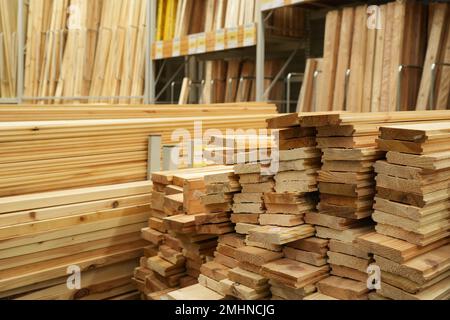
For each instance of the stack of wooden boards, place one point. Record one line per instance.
(96, 50)
(346, 194)
(402, 33)
(46, 238)
(185, 222)
(178, 18)
(218, 201)
(283, 224)
(288, 259)
(347, 188)
(8, 48)
(260, 243)
(37, 156)
(411, 243)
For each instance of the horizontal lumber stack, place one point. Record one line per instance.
(245, 281)
(58, 155)
(411, 243)
(45, 236)
(347, 188)
(190, 210)
(346, 197)
(147, 276)
(283, 224)
(218, 201)
(249, 203)
(180, 250)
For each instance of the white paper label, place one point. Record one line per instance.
(232, 38)
(201, 43)
(249, 35)
(176, 47)
(192, 43)
(220, 40)
(159, 50)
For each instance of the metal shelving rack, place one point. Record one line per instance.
(287, 47)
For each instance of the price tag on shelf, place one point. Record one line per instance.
(249, 34)
(266, 4)
(159, 49)
(220, 40)
(176, 47)
(279, 3)
(201, 43)
(192, 44)
(232, 38)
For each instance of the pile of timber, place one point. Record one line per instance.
(152, 280)
(87, 48)
(347, 188)
(360, 71)
(183, 228)
(411, 243)
(55, 155)
(45, 238)
(283, 225)
(234, 272)
(346, 183)
(244, 281)
(249, 203)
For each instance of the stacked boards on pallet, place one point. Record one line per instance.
(347, 188)
(8, 48)
(38, 156)
(411, 243)
(381, 62)
(97, 50)
(178, 18)
(48, 237)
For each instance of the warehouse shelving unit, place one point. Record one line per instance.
(250, 40)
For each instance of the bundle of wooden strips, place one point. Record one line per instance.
(382, 62)
(411, 242)
(8, 48)
(97, 50)
(95, 231)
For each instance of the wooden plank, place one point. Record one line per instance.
(331, 47)
(435, 42)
